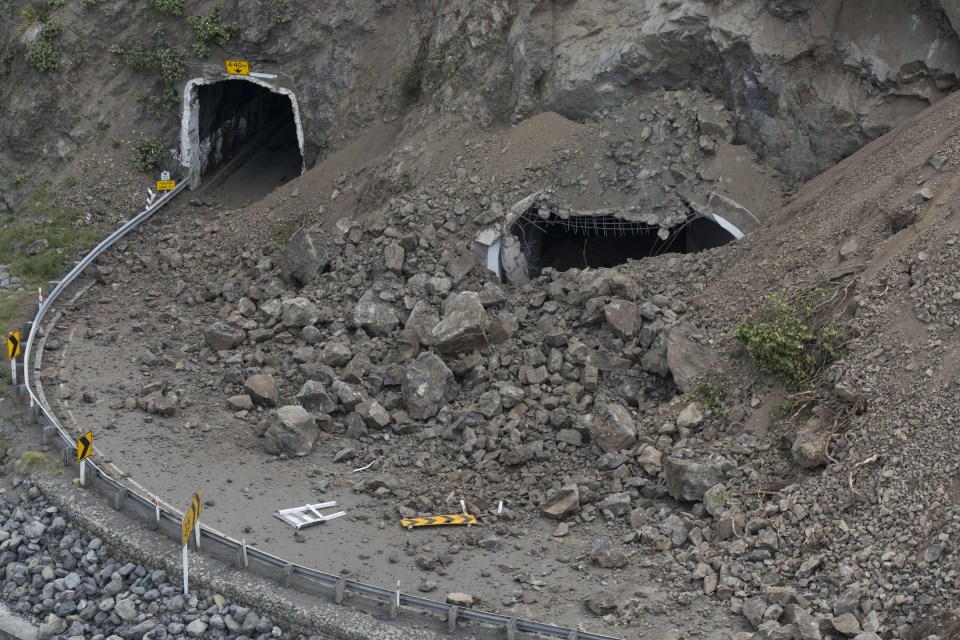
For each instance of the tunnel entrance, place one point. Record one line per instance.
(247, 133)
(606, 241)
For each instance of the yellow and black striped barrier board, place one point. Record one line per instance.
(432, 521)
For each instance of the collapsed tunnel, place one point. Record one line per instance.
(606, 241)
(241, 127)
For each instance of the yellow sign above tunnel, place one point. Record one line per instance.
(238, 67)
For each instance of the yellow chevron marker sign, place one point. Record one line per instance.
(191, 516)
(432, 521)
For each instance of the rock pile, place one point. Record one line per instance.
(74, 588)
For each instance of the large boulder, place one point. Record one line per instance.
(613, 428)
(689, 478)
(262, 389)
(463, 327)
(292, 433)
(373, 315)
(307, 255)
(221, 336)
(426, 385)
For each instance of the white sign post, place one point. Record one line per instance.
(186, 565)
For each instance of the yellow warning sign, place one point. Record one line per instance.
(238, 67)
(84, 446)
(13, 345)
(432, 521)
(191, 516)
(166, 185)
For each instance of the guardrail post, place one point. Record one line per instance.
(340, 590)
(394, 610)
(287, 575)
(67, 458)
(118, 498)
(574, 635)
(452, 614)
(512, 629)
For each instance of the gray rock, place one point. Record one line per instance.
(335, 354)
(139, 631)
(689, 479)
(262, 389)
(602, 603)
(622, 317)
(197, 628)
(604, 555)
(691, 416)
(460, 599)
(463, 327)
(313, 397)
(809, 448)
(613, 428)
(687, 358)
(393, 255)
(373, 414)
(847, 624)
(33, 530)
(753, 610)
(299, 312)
(422, 320)
(561, 503)
(615, 505)
(307, 255)
(293, 433)
(240, 402)
(808, 566)
(221, 336)
(426, 385)
(126, 609)
(373, 315)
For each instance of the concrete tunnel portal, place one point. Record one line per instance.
(246, 132)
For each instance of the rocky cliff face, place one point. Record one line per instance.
(806, 82)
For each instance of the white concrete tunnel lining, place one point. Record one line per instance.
(190, 151)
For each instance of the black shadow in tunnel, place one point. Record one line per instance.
(606, 241)
(248, 134)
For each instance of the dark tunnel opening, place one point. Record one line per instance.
(606, 241)
(250, 132)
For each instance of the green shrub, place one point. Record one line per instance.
(170, 64)
(41, 52)
(43, 56)
(148, 154)
(173, 7)
(208, 29)
(19, 180)
(785, 340)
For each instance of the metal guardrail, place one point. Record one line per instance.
(243, 556)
